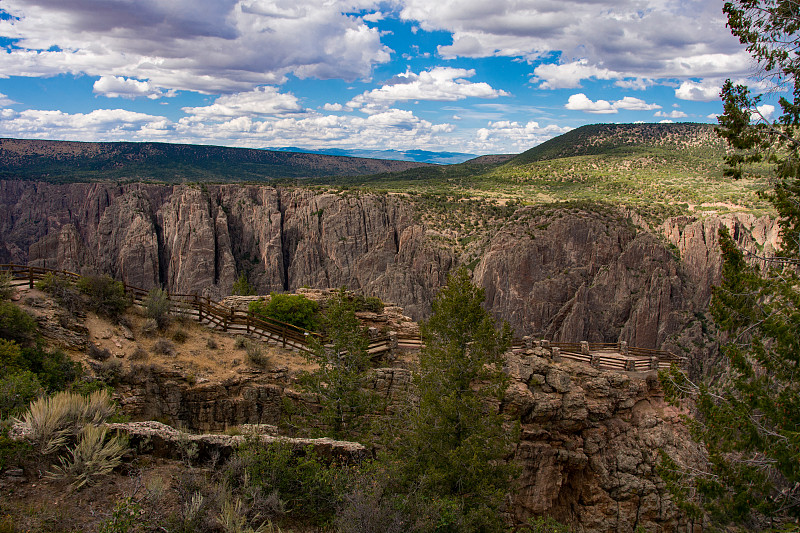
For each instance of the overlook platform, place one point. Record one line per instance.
(609, 356)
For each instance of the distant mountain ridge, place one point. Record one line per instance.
(420, 156)
(65, 161)
(621, 139)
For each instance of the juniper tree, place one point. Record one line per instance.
(748, 419)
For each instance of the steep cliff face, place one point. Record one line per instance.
(590, 443)
(566, 273)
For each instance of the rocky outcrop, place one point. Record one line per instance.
(697, 240)
(566, 273)
(590, 444)
(165, 441)
(590, 439)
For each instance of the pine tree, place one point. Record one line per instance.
(340, 381)
(458, 439)
(749, 418)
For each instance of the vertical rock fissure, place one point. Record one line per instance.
(284, 244)
(161, 254)
(364, 227)
(212, 215)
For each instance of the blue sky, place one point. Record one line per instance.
(452, 75)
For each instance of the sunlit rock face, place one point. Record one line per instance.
(564, 273)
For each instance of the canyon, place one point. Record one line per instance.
(589, 438)
(561, 271)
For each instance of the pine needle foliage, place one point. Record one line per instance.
(341, 379)
(748, 419)
(458, 440)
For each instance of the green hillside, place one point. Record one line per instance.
(65, 161)
(625, 140)
(657, 169)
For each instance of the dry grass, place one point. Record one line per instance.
(51, 421)
(205, 353)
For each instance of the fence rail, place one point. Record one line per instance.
(210, 313)
(201, 308)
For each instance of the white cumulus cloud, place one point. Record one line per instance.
(704, 91)
(261, 101)
(511, 133)
(569, 75)
(672, 114)
(444, 84)
(766, 111)
(581, 102)
(634, 38)
(121, 87)
(199, 45)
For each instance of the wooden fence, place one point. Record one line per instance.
(614, 356)
(200, 308)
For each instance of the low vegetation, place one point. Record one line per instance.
(293, 309)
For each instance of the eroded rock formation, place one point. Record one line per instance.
(563, 272)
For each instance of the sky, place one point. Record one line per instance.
(474, 76)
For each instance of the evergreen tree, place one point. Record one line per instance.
(340, 381)
(749, 418)
(458, 440)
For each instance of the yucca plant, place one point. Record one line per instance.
(91, 457)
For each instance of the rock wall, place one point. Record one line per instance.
(565, 273)
(590, 444)
(589, 438)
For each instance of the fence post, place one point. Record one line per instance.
(283, 334)
(555, 354)
(199, 307)
(528, 342)
(30, 276)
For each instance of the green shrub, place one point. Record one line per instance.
(163, 347)
(63, 290)
(11, 359)
(307, 486)
(544, 524)
(16, 324)
(157, 307)
(368, 303)
(11, 451)
(6, 289)
(139, 354)
(255, 355)
(293, 309)
(17, 390)
(105, 296)
(110, 371)
(150, 327)
(55, 370)
(180, 336)
(91, 457)
(242, 287)
(125, 517)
